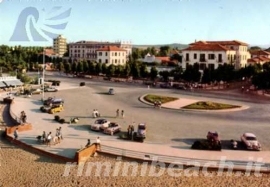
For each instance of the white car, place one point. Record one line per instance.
(50, 89)
(251, 141)
(100, 124)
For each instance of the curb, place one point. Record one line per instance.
(141, 99)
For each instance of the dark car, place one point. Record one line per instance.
(165, 85)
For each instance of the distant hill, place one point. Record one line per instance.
(174, 45)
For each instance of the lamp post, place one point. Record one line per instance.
(43, 71)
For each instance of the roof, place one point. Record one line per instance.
(48, 52)
(259, 52)
(110, 48)
(247, 134)
(259, 59)
(174, 51)
(163, 58)
(91, 42)
(206, 47)
(232, 42)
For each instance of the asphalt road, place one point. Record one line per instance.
(177, 128)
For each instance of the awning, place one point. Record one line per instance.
(15, 82)
(2, 85)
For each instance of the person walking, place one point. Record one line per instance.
(44, 136)
(98, 144)
(49, 138)
(122, 113)
(117, 113)
(16, 134)
(60, 133)
(88, 143)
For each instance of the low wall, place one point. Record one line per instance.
(21, 128)
(83, 154)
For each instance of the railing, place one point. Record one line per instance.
(237, 165)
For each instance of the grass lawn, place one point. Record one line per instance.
(163, 99)
(202, 105)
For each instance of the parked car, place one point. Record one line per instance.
(50, 89)
(36, 91)
(53, 101)
(100, 124)
(140, 135)
(111, 91)
(55, 109)
(112, 128)
(250, 141)
(165, 85)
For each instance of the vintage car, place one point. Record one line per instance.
(55, 109)
(112, 128)
(250, 141)
(111, 91)
(140, 135)
(36, 91)
(100, 123)
(50, 89)
(53, 102)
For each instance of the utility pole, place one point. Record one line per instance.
(43, 76)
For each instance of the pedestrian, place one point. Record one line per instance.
(16, 134)
(94, 113)
(98, 144)
(132, 131)
(88, 143)
(122, 113)
(129, 131)
(117, 113)
(60, 133)
(49, 138)
(44, 137)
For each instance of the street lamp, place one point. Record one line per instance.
(43, 71)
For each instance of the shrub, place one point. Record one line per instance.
(56, 118)
(62, 121)
(82, 84)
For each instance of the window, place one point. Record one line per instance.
(115, 54)
(219, 57)
(106, 54)
(99, 60)
(202, 57)
(211, 56)
(195, 56)
(187, 57)
(106, 61)
(100, 53)
(202, 66)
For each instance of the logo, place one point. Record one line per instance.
(40, 26)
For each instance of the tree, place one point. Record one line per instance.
(85, 66)
(127, 70)
(79, 67)
(92, 67)
(110, 70)
(165, 75)
(98, 68)
(135, 70)
(67, 67)
(255, 48)
(61, 67)
(74, 67)
(164, 50)
(104, 68)
(143, 71)
(153, 73)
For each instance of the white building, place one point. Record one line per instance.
(60, 45)
(112, 55)
(213, 53)
(86, 50)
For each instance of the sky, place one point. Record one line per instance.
(136, 21)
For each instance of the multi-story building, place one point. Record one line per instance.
(210, 54)
(112, 55)
(86, 50)
(60, 45)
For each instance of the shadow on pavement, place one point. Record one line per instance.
(36, 110)
(188, 141)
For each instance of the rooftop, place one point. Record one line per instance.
(206, 47)
(110, 48)
(232, 42)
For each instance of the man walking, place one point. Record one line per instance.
(117, 113)
(98, 144)
(16, 134)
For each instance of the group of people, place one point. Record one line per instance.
(48, 139)
(157, 104)
(118, 113)
(130, 131)
(97, 143)
(96, 113)
(23, 117)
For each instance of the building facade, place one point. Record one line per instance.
(86, 50)
(112, 55)
(60, 45)
(211, 54)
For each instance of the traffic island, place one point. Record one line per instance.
(207, 105)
